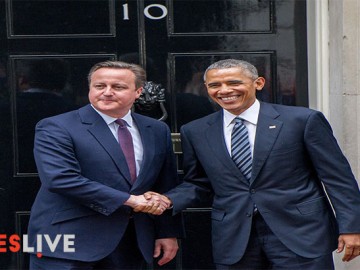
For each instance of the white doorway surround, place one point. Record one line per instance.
(334, 77)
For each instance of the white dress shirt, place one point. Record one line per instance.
(251, 118)
(138, 146)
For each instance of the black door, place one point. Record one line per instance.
(47, 48)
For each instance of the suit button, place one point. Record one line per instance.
(252, 191)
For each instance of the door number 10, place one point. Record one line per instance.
(147, 14)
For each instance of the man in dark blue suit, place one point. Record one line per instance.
(280, 216)
(87, 189)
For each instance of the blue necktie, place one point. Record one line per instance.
(240, 148)
(126, 143)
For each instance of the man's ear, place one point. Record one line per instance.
(259, 83)
(138, 92)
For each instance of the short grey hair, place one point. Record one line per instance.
(139, 72)
(234, 63)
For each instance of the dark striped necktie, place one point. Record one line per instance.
(240, 148)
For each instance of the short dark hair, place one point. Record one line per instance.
(250, 69)
(139, 72)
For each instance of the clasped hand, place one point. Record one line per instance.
(150, 202)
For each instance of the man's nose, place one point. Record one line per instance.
(108, 91)
(224, 88)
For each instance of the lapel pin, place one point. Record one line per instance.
(271, 127)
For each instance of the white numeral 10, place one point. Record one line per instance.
(147, 14)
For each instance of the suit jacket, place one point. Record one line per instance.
(85, 181)
(295, 157)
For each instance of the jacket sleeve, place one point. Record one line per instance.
(334, 171)
(168, 225)
(61, 173)
(196, 187)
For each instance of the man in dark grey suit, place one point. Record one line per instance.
(90, 187)
(275, 215)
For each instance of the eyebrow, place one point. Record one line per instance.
(231, 81)
(235, 81)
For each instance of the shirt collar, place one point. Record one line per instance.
(128, 119)
(250, 115)
(108, 119)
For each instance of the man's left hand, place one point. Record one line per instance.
(351, 244)
(169, 248)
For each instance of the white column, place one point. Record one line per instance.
(334, 77)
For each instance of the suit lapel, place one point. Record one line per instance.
(99, 129)
(216, 142)
(267, 131)
(148, 142)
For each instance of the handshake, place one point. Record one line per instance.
(150, 202)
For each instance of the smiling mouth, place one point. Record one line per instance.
(107, 100)
(229, 98)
